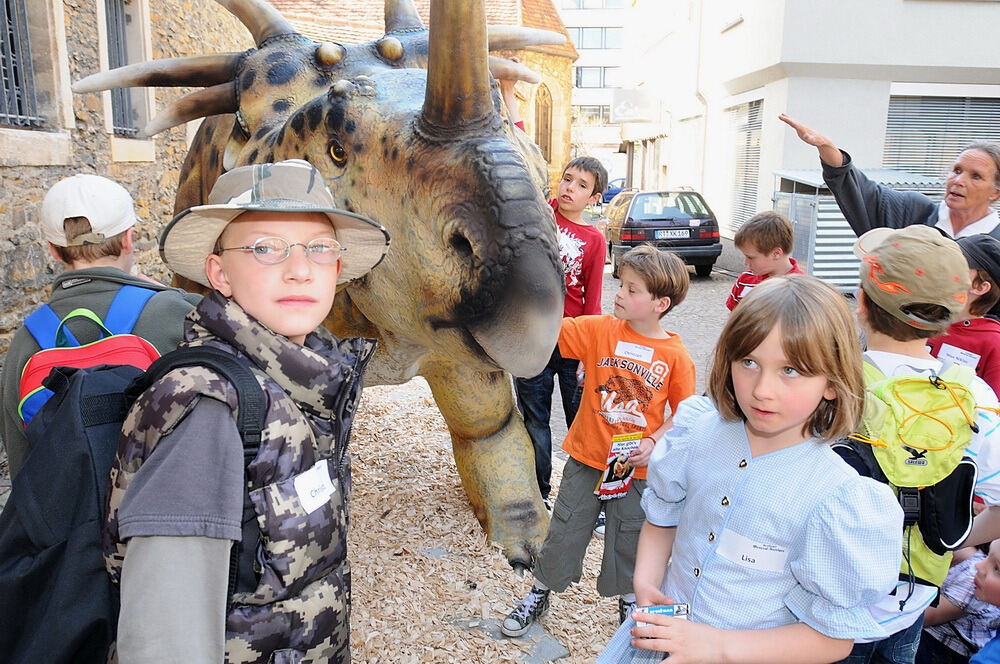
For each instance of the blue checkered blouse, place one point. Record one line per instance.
(791, 536)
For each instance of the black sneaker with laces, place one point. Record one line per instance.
(599, 526)
(526, 612)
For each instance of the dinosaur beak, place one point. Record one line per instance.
(458, 90)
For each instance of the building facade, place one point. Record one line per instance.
(598, 30)
(899, 84)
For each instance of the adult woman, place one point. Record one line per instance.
(973, 184)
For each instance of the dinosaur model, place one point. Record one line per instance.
(407, 131)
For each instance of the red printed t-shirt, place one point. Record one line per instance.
(581, 248)
(631, 383)
(746, 281)
(979, 338)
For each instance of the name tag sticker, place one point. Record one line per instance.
(957, 355)
(634, 352)
(746, 552)
(314, 487)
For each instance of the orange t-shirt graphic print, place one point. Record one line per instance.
(632, 384)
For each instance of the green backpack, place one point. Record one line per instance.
(913, 436)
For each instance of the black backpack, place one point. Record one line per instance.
(57, 602)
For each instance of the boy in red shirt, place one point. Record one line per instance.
(635, 376)
(974, 340)
(765, 242)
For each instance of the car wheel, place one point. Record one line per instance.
(704, 269)
(614, 266)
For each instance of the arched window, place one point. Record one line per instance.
(543, 121)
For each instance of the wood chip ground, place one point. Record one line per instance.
(420, 560)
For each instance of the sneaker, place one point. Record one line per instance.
(599, 528)
(625, 609)
(526, 612)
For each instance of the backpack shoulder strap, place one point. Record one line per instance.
(957, 373)
(252, 401)
(42, 324)
(870, 370)
(249, 418)
(126, 307)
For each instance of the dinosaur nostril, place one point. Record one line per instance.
(461, 245)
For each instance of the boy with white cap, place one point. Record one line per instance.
(88, 224)
(186, 509)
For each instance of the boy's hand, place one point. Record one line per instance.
(640, 457)
(687, 642)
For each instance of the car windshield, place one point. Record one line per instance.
(668, 205)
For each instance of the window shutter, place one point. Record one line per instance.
(925, 134)
(745, 122)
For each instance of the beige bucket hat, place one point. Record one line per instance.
(286, 186)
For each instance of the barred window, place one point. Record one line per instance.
(123, 115)
(18, 107)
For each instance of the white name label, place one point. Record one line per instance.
(746, 552)
(956, 355)
(314, 487)
(634, 352)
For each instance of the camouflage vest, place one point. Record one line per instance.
(300, 608)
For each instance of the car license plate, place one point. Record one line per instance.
(671, 234)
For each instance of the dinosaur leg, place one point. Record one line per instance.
(494, 456)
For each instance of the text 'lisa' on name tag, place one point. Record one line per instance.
(746, 552)
(314, 487)
(634, 352)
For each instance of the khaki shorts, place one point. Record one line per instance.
(572, 526)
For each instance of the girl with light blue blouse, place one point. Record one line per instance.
(777, 545)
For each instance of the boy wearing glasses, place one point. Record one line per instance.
(273, 248)
(88, 224)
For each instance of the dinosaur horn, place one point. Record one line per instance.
(261, 19)
(401, 15)
(458, 77)
(215, 100)
(510, 37)
(200, 71)
(502, 68)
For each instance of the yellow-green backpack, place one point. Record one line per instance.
(913, 436)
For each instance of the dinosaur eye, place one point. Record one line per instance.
(338, 153)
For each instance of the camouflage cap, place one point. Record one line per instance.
(902, 267)
(286, 186)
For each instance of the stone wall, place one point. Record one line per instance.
(178, 28)
(557, 75)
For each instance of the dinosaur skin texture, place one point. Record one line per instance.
(407, 130)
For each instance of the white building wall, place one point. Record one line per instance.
(832, 65)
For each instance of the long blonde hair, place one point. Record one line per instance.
(818, 337)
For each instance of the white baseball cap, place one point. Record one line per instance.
(106, 205)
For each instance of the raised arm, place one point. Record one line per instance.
(510, 100)
(829, 153)
(864, 204)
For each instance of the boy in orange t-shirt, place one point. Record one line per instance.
(635, 376)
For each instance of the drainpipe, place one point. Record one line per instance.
(700, 95)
